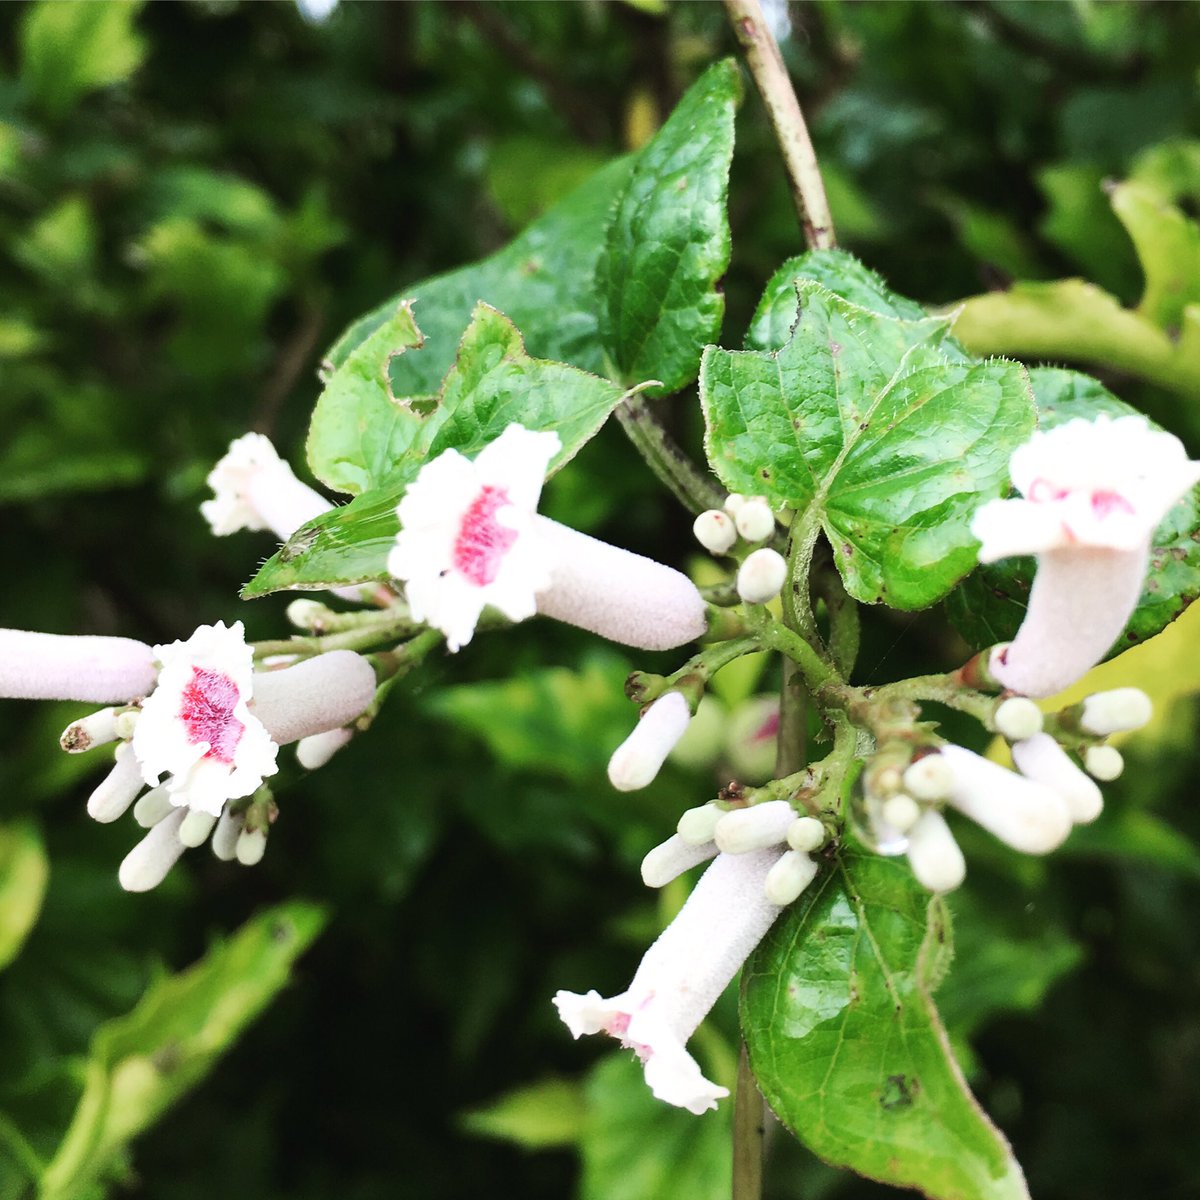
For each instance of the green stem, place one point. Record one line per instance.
(942, 689)
(843, 620)
(815, 672)
(749, 1132)
(364, 638)
(771, 77)
(684, 479)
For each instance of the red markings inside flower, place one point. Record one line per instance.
(1042, 491)
(1104, 504)
(482, 541)
(207, 713)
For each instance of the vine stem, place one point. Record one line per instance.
(684, 479)
(770, 75)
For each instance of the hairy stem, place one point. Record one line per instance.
(687, 483)
(771, 77)
(749, 1132)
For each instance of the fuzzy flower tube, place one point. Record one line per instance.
(471, 538)
(98, 670)
(253, 488)
(681, 977)
(1093, 493)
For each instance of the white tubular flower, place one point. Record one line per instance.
(1093, 494)
(147, 864)
(314, 697)
(197, 726)
(618, 594)
(119, 788)
(1043, 760)
(1028, 816)
(761, 577)
(255, 489)
(715, 531)
(470, 537)
(1118, 711)
(226, 835)
(681, 977)
(674, 856)
(937, 862)
(48, 666)
(754, 828)
(318, 748)
(637, 760)
(152, 807)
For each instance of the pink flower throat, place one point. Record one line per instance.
(482, 541)
(1104, 504)
(207, 713)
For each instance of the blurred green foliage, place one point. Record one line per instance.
(195, 199)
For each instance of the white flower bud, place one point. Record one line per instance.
(670, 859)
(1042, 759)
(715, 531)
(1103, 762)
(147, 864)
(929, 778)
(153, 807)
(251, 846)
(97, 729)
(789, 877)
(126, 723)
(309, 615)
(1028, 816)
(697, 825)
(1117, 711)
(901, 812)
(196, 827)
(761, 576)
(119, 788)
(1018, 718)
(318, 748)
(637, 760)
(755, 520)
(225, 836)
(733, 502)
(806, 834)
(755, 828)
(936, 861)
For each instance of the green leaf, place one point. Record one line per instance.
(360, 431)
(989, 606)
(527, 175)
(544, 280)
(142, 1063)
(492, 384)
(1168, 248)
(24, 871)
(846, 1043)
(71, 47)
(668, 243)
(861, 422)
(557, 720)
(539, 1116)
(637, 1148)
(840, 272)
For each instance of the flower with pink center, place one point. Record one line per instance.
(1093, 494)
(681, 977)
(197, 726)
(471, 538)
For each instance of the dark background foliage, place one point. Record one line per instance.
(178, 245)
